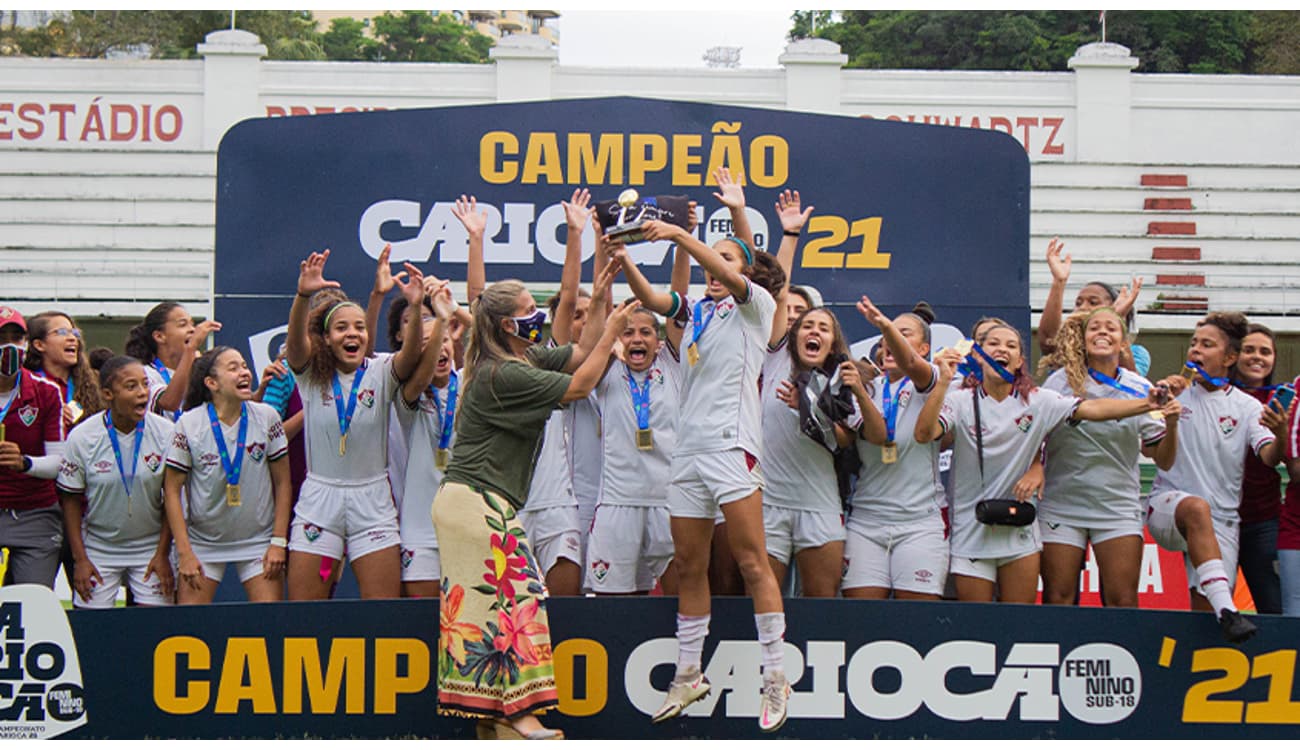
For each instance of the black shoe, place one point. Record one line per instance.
(1236, 628)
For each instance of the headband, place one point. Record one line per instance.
(330, 314)
(749, 254)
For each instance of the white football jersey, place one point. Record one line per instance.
(366, 456)
(157, 384)
(422, 429)
(908, 489)
(585, 426)
(633, 476)
(552, 475)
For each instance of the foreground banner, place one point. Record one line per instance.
(903, 212)
(860, 669)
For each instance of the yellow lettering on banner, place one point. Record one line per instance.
(814, 253)
(598, 166)
(1197, 706)
(1279, 667)
(597, 677)
(302, 663)
(726, 151)
(165, 694)
(683, 159)
(388, 684)
(769, 161)
(543, 160)
(494, 169)
(869, 256)
(647, 152)
(232, 690)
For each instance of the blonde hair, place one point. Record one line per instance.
(1071, 352)
(488, 343)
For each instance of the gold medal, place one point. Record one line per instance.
(441, 457)
(889, 452)
(75, 410)
(343, 444)
(232, 495)
(964, 347)
(645, 440)
(2, 432)
(1187, 373)
(692, 354)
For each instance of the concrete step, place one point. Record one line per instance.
(108, 211)
(1199, 177)
(1128, 249)
(105, 237)
(140, 187)
(85, 162)
(1138, 223)
(1226, 201)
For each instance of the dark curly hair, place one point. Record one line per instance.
(1233, 324)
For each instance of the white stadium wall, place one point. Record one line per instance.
(107, 167)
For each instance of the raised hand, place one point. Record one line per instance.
(311, 275)
(577, 212)
(384, 273)
(787, 209)
(617, 320)
(1058, 264)
(444, 304)
(466, 209)
(661, 230)
(412, 287)
(1128, 297)
(872, 313)
(730, 193)
(201, 333)
(602, 284)
(947, 361)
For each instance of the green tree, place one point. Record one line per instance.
(346, 40)
(418, 36)
(1275, 42)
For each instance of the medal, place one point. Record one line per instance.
(641, 408)
(232, 495)
(441, 458)
(889, 453)
(343, 444)
(345, 414)
(75, 410)
(692, 354)
(231, 466)
(645, 440)
(447, 418)
(963, 347)
(889, 404)
(699, 322)
(127, 479)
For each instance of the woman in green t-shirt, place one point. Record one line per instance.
(494, 647)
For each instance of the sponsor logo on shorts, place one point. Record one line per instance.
(376, 536)
(257, 451)
(103, 467)
(1024, 422)
(923, 575)
(600, 569)
(407, 556)
(1227, 425)
(1052, 526)
(28, 414)
(571, 542)
(367, 398)
(311, 531)
(153, 461)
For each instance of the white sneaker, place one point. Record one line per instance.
(684, 690)
(776, 694)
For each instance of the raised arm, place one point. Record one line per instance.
(475, 222)
(928, 426)
(589, 372)
(912, 365)
(594, 329)
(1050, 323)
(674, 323)
(1166, 450)
(732, 195)
(788, 210)
(439, 293)
(576, 215)
(406, 358)
(173, 397)
(1104, 409)
(311, 279)
(375, 305)
(706, 256)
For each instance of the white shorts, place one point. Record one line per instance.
(903, 557)
(104, 595)
(703, 481)
(553, 533)
(346, 508)
(421, 564)
(789, 531)
(1164, 529)
(1079, 536)
(308, 537)
(629, 548)
(985, 568)
(245, 568)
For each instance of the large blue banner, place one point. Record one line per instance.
(860, 669)
(903, 212)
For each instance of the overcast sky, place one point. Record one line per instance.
(670, 39)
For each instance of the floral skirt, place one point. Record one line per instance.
(494, 645)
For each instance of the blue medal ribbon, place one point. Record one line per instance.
(447, 418)
(698, 325)
(970, 368)
(640, 399)
(1216, 382)
(18, 387)
(127, 480)
(232, 467)
(1002, 372)
(1257, 388)
(167, 379)
(889, 401)
(345, 417)
(1105, 379)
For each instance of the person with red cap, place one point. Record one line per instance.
(31, 447)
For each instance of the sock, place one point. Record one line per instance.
(771, 637)
(1214, 584)
(691, 632)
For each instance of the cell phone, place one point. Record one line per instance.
(1284, 395)
(1162, 394)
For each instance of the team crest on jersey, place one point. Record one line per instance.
(209, 460)
(656, 376)
(103, 467)
(1227, 425)
(311, 531)
(153, 461)
(257, 451)
(600, 569)
(28, 414)
(407, 556)
(904, 398)
(724, 309)
(1024, 421)
(366, 398)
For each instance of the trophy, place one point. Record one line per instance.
(624, 218)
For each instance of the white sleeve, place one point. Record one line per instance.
(47, 466)
(759, 308)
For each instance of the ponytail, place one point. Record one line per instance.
(139, 342)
